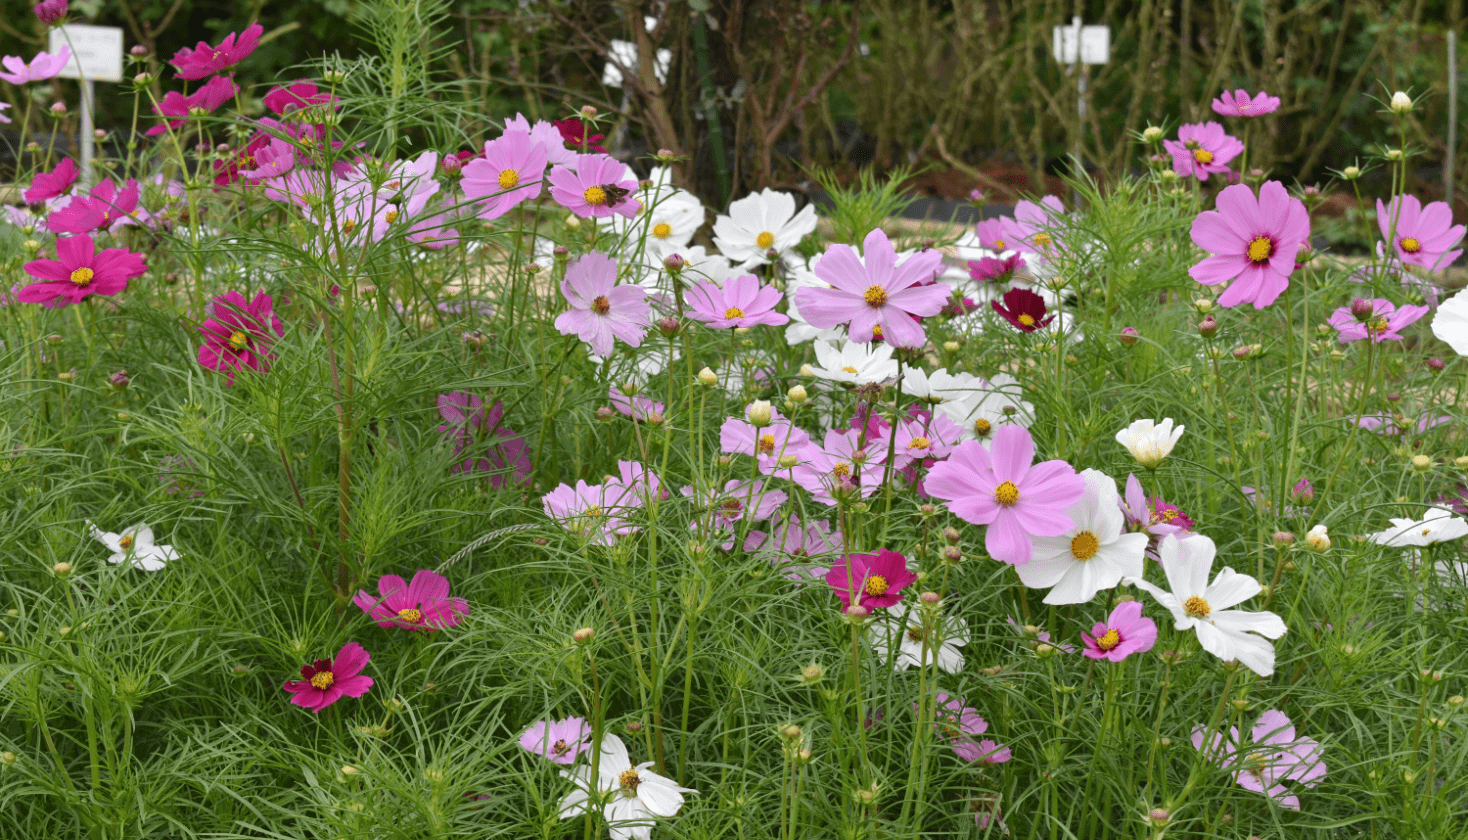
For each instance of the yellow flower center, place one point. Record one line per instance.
(628, 782)
(596, 196)
(322, 680)
(915, 633)
(509, 179)
(410, 616)
(349, 225)
(1006, 494)
(999, 243)
(876, 585)
(82, 276)
(983, 427)
(767, 444)
(662, 230)
(765, 240)
(601, 305)
(1110, 640)
(1027, 320)
(733, 312)
(841, 470)
(125, 541)
(1041, 239)
(391, 216)
(1261, 249)
(1378, 325)
(1196, 607)
(1411, 245)
(560, 747)
(238, 340)
(919, 443)
(1203, 156)
(850, 369)
(875, 296)
(876, 331)
(1083, 546)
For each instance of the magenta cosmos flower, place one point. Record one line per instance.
(560, 741)
(877, 580)
(510, 172)
(1239, 103)
(49, 185)
(1383, 324)
(960, 726)
(574, 136)
(44, 66)
(423, 604)
(1125, 632)
(206, 100)
(80, 270)
(1033, 227)
(205, 60)
(478, 437)
(601, 311)
(1273, 754)
(1202, 149)
(1422, 236)
(103, 207)
(1000, 488)
(742, 302)
(1253, 243)
(238, 334)
(596, 188)
(874, 291)
(326, 681)
(296, 96)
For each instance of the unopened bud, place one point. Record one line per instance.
(1401, 103)
(951, 346)
(674, 263)
(787, 461)
(856, 612)
(583, 636)
(1203, 305)
(58, 109)
(1455, 701)
(812, 674)
(758, 413)
(605, 413)
(1421, 463)
(797, 394)
(588, 111)
(61, 570)
(1351, 173)
(1151, 134)
(791, 732)
(1435, 365)
(668, 326)
(451, 166)
(119, 380)
(707, 378)
(1208, 327)
(1283, 539)
(1128, 336)
(633, 727)
(952, 554)
(1362, 309)
(349, 770)
(7, 758)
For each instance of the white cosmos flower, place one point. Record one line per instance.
(1197, 605)
(135, 545)
(860, 364)
(669, 216)
(1318, 539)
(760, 222)
(637, 796)
(1092, 556)
(1150, 442)
(908, 635)
(1439, 525)
(1451, 323)
(996, 403)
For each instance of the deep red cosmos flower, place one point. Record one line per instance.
(1024, 309)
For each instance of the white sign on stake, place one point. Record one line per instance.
(1095, 43)
(96, 51)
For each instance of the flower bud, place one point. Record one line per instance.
(807, 370)
(1362, 309)
(791, 732)
(1151, 134)
(58, 109)
(797, 394)
(633, 727)
(1208, 327)
(950, 346)
(668, 326)
(654, 419)
(674, 263)
(451, 166)
(1303, 491)
(1045, 651)
(1401, 103)
(857, 613)
(952, 554)
(1283, 539)
(758, 413)
(1128, 336)
(1203, 305)
(1421, 463)
(1435, 365)
(1455, 701)
(1317, 539)
(138, 51)
(707, 378)
(605, 413)
(61, 570)
(349, 770)
(812, 674)
(1394, 155)
(1351, 173)
(787, 461)
(1461, 462)
(588, 111)
(119, 380)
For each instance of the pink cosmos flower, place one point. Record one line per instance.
(205, 60)
(767, 444)
(273, 160)
(43, 66)
(601, 311)
(1385, 323)
(1272, 755)
(206, 100)
(998, 487)
(423, 604)
(876, 579)
(991, 270)
(80, 270)
(510, 172)
(991, 752)
(1152, 515)
(639, 485)
(1202, 149)
(1033, 227)
(477, 434)
(791, 547)
(326, 681)
(842, 463)
(1240, 104)
(636, 406)
(1253, 243)
(594, 512)
(3, 106)
(239, 334)
(1422, 235)
(742, 302)
(560, 741)
(296, 96)
(723, 509)
(1386, 424)
(990, 233)
(926, 435)
(597, 188)
(874, 291)
(50, 11)
(1125, 632)
(49, 185)
(103, 207)
(545, 133)
(960, 725)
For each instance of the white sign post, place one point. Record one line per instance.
(1084, 45)
(96, 56)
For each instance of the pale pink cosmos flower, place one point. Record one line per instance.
(511, 171)
(423, 604)
(741, 302)
(1202, 149)
(1385, 323)
(560, 741)
(1000, 488)
(44, 66)
(596, 188)
(990, 233)
(925, 435)
(596, 513)
(794, 546)
(767, 444)
(1239, 103)
(841, 463)
(636, 406)
(1125, 632)
(874, 291)
(1272, 755)
(545, 133)
(960, 726)
(1033, 227)
(1253, 243)
(722, 509)
(1421, 236)
(601, 311)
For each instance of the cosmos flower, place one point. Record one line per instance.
(1149, 441)
(1273, 754)
(1385, 323)
(560, 741)
(1125, 632)
(766, 444)
(902, 642)
(49, 185)
(741, 302)
(636, 406)
(995, 270)
(326, 681)
(80, 270)
(545, 133)
(477, 433)
(205, 60)
(1253, 243)
(874, 291)
(595, 189)
(720, 510)
(791, 547)
(1239, 103)
(296, 96)
(1450, 324)
(423, 604)
(1093, 554)
(602, 311)
(1436, 526)
(103, 207)
(1202, 149)
(960, 726)
(858, 364)
(510, 172)
(239, 334)
(596, 513)
(206, 100)
(135, 547)
(760, 223)
(1023, 309)
(843, 463)
(632, 797)
(44, 66)
(1034, 228)
(1420, 236)
(1151, 516)
(876, 580)
(574, 136)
